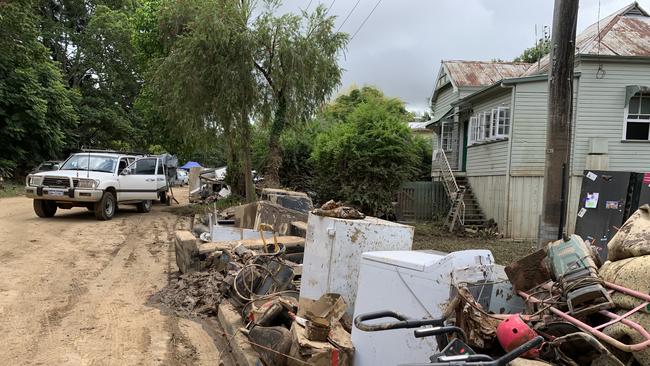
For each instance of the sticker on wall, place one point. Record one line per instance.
(592, 176)
(592, 200)
(582, 212)
(612, 205)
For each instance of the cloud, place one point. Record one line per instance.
(400, 47)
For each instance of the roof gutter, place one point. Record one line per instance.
(464, 101)
(529, 79)
(615, 58)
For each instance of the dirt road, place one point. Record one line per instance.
(73, 290)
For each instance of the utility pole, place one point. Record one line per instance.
(558, 129)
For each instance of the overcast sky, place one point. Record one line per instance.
(400, 47)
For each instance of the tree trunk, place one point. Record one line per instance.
(274, 160)
(246, 158)
(234, 175)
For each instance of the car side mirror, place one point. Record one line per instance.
(125, 171)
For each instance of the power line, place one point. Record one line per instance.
(365, 20)
(348, 16)
(330, 7)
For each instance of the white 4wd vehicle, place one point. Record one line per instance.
(98, 181)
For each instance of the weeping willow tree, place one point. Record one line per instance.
(205, 85)
(223, 68)
(296, 59)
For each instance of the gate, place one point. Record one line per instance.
(421, 201)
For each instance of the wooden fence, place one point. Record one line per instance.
(421, 201)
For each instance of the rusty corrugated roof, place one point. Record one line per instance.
(482, 73)
(623, 33)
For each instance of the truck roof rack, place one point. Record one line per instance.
(112, 151)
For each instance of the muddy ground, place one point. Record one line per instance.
(76, 291)
(435, 236)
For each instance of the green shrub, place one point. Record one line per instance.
(365, 159)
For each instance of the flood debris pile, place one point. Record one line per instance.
(193, 294)
(243, 266)
(208, 184)
(586, 313)
(291, 284)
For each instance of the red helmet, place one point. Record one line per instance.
(513, 332)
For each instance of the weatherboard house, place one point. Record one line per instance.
(490, 122)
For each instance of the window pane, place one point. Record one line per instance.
(145, 167)
(447, 130)
(634, 105)
(645, 104)
(637, 131)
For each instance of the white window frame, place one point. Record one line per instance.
(473, 131)
(484, 126)
(505, 123)
(627, 118)
(494, 118)
(446, 145)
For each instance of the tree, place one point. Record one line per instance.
(91, 41)
(345, 104)
(36, 109)
(532, 54)
(214, 89)
(296, 57)
(365, 157)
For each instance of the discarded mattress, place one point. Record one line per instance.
(631, 273)
(633, 239)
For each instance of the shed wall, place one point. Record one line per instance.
(490, 191)
(489, 158)
(525, 207)
(601, 113)
(445, 97)
(529, 129)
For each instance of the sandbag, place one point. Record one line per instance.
(633, 239)
(628, 335)
(631, 273)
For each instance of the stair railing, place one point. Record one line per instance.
(450, 184)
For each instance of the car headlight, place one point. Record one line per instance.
(35, 180)
(88, 183)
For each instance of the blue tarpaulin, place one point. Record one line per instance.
(190, 164)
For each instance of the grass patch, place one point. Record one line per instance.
(435, 236)
(12, 189)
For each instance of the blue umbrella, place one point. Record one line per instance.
(191, 164)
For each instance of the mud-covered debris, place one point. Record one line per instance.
(195, 293)
(336, 209)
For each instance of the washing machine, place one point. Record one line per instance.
(416, 284)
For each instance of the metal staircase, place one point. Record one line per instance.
(465, 210)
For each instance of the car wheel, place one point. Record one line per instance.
(44, 208)
(144, 206)
(162, 196)
(106, 207)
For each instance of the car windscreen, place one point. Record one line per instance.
(47, 166)
(96, 163)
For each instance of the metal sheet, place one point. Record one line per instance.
(333, 249)
(482, 73)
